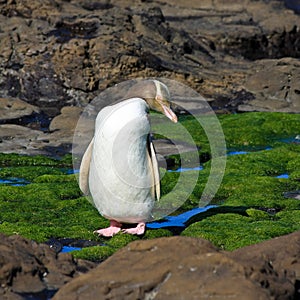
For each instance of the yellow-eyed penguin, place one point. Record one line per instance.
(119, 168)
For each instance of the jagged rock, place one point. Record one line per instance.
(28, 268)
(64, 53)
(61, 53)
(189, 268)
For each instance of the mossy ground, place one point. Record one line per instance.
(251, 192)
(251, 208)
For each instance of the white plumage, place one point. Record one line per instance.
(119, 168)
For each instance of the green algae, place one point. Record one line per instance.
(13, 159)
(110, 246)
(247, 131)
(52, 206)
(249, 189)
(231, 231)
(28, 172)
(254, 130)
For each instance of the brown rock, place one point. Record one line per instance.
(275, 85)
(189, 268)
(67, 120)
(27, 268)
(63, 53)
(16, 138)
(274, 264)
(13, 108)
(58, 53)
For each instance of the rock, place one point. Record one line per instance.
(58, 54)
(275, 85)
(293, 194)
(293, 4)
(13, 108)
(189, 268)
(62, 53)
(16, 138)
(67, 120)
(28, 268)
(23, 140)
(167, 147)
(274, 264)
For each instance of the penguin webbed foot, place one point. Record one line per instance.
(110, 231)
(138, 230)
(115, 227)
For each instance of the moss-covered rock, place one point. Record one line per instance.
(250, 185)
(247, 131)
(51, 205)
(231, 231)
(258, 130)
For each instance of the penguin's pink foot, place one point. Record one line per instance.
(110, 231)
(139, 229)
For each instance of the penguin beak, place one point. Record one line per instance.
(168, 112)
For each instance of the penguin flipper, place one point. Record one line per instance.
(155, 170)
(85, 168)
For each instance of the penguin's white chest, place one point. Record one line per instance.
(120, 178)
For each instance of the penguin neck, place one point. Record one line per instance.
(128, 118)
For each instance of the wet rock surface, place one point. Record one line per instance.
(31, 271)
(188, 268)
(241, 56)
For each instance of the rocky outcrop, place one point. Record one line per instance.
(28, 269)
(163, 268)
(62, 53)
(241, 56)
(189, 268)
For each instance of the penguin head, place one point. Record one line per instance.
(157, 96)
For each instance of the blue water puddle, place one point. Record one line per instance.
(285, 176)
(169, 221)
(70, 171)
(199, 168)
(179, 220)
(237, 153)
(231, 153)
(14, 181)
(66, 249)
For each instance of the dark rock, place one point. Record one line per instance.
(28, 269)
(59, 53)
(188, 268)
(293, 194)
(64, 53)
(58, 244)
(166, 147)
(293, 4)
